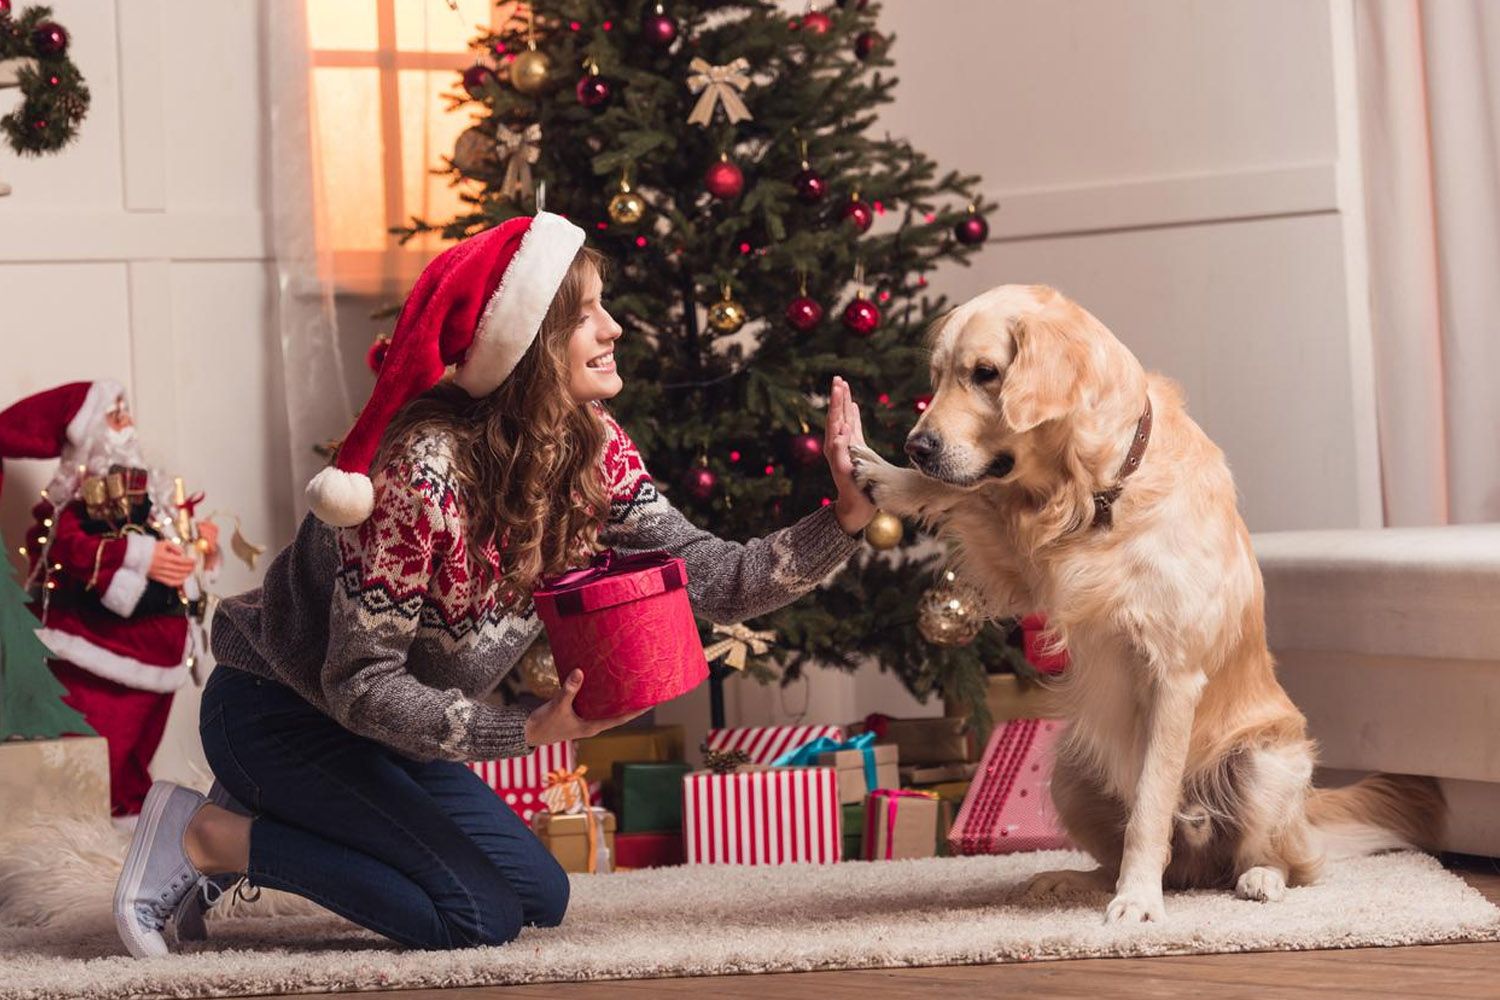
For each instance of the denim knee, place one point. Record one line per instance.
(498, 921)
(551, 905)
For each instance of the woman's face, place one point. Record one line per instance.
(591, 348)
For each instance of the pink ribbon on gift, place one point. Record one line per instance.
(893, 797)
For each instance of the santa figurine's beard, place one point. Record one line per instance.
(115, 447)
(108, 447)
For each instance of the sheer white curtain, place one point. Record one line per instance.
(317, 400)
(1429, 74)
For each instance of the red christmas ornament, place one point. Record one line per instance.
(971, 229)
(476, 78)
(804, 313)
(817, 22)
(700, 482)
(375, 356)
(807, 449)
(793, 24)
(49, 39)
(922, 402)
(859, 214)
(866, 44)
(810, 185)
(861, 316)
(659, 30)
(594, 91)
(4, 8)
(724, 180)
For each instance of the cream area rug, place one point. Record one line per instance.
(57, 940)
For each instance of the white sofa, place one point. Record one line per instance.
(1389, 641)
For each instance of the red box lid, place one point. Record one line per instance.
(610, 581)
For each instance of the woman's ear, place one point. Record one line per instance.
(1042, 381)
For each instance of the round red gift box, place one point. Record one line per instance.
(627, 624)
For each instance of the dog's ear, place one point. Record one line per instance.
(1042, 381)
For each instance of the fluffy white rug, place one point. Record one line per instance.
(713, 921)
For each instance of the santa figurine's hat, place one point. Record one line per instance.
(477, 305)
(56, 422)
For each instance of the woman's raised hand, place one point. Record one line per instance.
(555, 720)
(852, 508)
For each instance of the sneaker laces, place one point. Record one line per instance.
(155, 913)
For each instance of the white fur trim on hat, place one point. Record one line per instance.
(102, 396)
(515, 311)
(342, 499)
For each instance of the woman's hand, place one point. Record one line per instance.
(556, 721)
(852, 508)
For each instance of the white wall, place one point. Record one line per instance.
(139, 254)
(1181, 167)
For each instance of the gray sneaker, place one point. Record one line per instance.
(188, 921)
(157, 872)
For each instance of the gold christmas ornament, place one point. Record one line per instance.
(727, 315)
(531, 72)
(884, 531)
(539, 670)
(947, 615)
(626, 208)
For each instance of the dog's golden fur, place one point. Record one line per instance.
(1185, 763)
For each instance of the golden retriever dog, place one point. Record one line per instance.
(1067, 479)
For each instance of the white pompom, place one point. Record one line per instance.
(342, 499)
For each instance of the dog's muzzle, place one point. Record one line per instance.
(925, 449)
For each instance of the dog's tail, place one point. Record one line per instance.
(1379, 813)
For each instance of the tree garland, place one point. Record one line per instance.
(54, 96)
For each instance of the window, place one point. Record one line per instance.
(380, 69)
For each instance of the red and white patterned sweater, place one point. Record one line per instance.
(383, 627)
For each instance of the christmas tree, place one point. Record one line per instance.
(765, 236)
(31, 704)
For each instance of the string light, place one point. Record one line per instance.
(46, 522)
(22, 550)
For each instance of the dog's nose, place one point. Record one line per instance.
(920, 447)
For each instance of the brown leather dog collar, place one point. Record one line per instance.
(1104, 500)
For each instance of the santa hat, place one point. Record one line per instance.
(478, 305)
(53, 423)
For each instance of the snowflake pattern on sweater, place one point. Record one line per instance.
(384, 627)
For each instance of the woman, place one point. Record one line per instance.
(352, 685)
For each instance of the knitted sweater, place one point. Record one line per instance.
(382, 626)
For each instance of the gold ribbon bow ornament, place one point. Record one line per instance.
(520, 148)
(717, 85)
(739, 643)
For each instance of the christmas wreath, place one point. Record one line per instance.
(54, 96)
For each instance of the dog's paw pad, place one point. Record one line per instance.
(1265, 885)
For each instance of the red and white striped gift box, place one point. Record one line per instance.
(519, 780)
(1008, 807)
(779, 816)
(765, 743)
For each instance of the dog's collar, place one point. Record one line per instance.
(1104, 500)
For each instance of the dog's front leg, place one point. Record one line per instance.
(1148, 830)
(901, 492)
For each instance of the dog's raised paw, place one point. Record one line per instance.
(868, 468)
(1135, 907)
(1066, 882)
(1264, 885)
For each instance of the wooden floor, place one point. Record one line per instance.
(1450, 972)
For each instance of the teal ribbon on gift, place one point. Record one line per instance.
(808, 753)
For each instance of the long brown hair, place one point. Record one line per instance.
(526, 458)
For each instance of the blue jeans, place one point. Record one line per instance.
(425, 854)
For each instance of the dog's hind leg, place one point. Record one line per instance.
(1094, 820)
(1273, 848)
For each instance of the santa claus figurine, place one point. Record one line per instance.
(114, 560)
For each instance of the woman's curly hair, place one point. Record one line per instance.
(526, 457)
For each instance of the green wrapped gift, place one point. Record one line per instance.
(854, 830)
(646, 796)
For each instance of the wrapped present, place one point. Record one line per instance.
(947, 809)
(900, 823)
(1009, 804)
(854, 830)
(629, 745)
(861, 765)
(932, 774)
(581, 841)
(765, 743)
(1039, 646)
(762, 816)
(940, 740)
(519, 780)
(647, 796)
(627, 624)
(648, 850)
(1011, 697)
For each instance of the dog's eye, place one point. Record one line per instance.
(984, 374)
